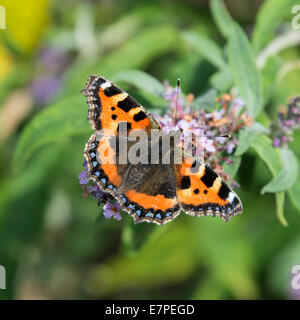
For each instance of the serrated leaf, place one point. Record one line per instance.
(263, 146)
(221, 17)
(247, 136)
(206, 48)
(60, 121)
(268, 18)
(287, 176)
(247, 77)
(140, 80)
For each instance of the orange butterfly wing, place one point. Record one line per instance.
(144, 200)
(200, 191)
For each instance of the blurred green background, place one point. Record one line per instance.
(56, 244)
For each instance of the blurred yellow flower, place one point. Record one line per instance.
(25, 22)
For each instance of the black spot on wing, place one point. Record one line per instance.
(100, 81)
(185, 182)
(125, 126)
(224, 191)
(235, 201)
(112, 90)
(127, 104)
(209, 177)
(139, 116)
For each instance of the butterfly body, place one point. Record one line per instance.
(149, 192)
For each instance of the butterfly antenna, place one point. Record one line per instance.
(225, 136)
(176, 102)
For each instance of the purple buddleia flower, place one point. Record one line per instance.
(209, 126)
(45, 88)
(82, 177)
(287, 122)
(112, 210)
(53, 59)
(208, 145)
(166, 122)
(239, 102)
(47, 80)
(230, 147)
(90, 187)
(276, 143)
(96, 193)
(221, 140)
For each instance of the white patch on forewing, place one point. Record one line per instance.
(105, 85)
(231, 196)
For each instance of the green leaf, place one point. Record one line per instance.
(58, 122)
(140, 80)
(206, 101)
(221, 17)
(264, 119)
(137, 265)
(30, 178)
(287, 176)
(263, 146)
(240, 268)
(268, 18)
(280, 208)
(150, 101)
(294, 192)
(206, 48)
(222, 80)
(134, 238)
(247, 136)
(270, 71)
(247, 77)
(138, 52)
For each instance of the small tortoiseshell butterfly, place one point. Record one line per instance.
(149, 192)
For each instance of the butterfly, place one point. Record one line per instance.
(154, 193)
